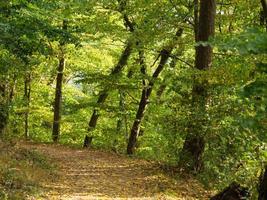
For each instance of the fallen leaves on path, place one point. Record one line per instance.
(98, 175)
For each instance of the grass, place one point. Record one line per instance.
(21, 172)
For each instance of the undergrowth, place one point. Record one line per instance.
(21, 172)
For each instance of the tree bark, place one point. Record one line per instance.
(27, 97)
(263, 185)
(121, 110)
(163, 86)
(58, 100)
(264, 13)
(3, 109)
(205, 31)
(58, 92)
(146, 92)
(264, 7)
(196, 15)
(118, 68)
(7, 91)
(122, 104)
(194, 145)
(104, 94)
(120, 118)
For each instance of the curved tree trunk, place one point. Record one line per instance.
(104, 94)
(117, 69)
(146, 92)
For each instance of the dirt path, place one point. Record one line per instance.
(96, 175)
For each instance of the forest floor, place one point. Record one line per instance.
(99, 175)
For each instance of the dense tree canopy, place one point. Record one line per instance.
(182, 82)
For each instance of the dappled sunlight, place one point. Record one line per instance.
(97, 175)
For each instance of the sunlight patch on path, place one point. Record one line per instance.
(98, 175)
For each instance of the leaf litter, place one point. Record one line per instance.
(89, 174)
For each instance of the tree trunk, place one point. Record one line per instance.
(87, 141)
(263, 185)
(146, 92)
(205, 31)
(121, 110)
(27, 97)
(7, 92)
(264, 13)
(58, 100)
(264, 7)
(58, 92)
(196, 15)
(163, 86)
(3, 109)
(120, 119)
(118, 68)
(104, 94)
(194, 145)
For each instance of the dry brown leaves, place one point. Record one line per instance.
(98, 175)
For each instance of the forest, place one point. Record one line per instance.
(176, 87)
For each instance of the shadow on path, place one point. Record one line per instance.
(97, 175)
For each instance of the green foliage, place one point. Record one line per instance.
(32, 39)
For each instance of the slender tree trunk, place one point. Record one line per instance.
(194, 145)
(264, 7)
(104, 94)
(196, 20)
(3, 109)
(263, 185)
(7, 92)
(12, 90)
(163, 86)
(120, 119)
(101, 99)
(122, 116)
(146, 92)
(58, 92)
(27, 97)
(129, 25)
(121, 110)
(58, 100)
(263, 178)
(264, 13)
